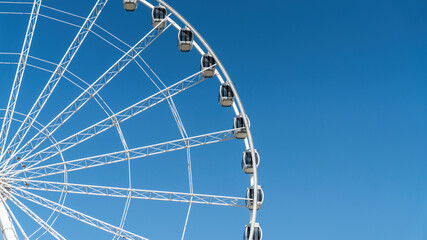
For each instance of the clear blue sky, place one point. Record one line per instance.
(336, 94)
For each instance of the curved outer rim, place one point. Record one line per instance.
(249, 140)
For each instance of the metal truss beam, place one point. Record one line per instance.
(129, 193)
(93, 89)
(54, 79)
(111, 121)
(126, 155)
(36, 218)
(19, 74)
(76, 215)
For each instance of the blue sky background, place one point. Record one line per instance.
(336, 94)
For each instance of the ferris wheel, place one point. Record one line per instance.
(91, 127)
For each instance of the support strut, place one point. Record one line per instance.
(7, 230)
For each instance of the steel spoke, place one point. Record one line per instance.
(51, 138)
(122, 156)
(19, 74)
(25, 163)
(76, 215)
(54, 79)
(36, 218)
(111, 121)
(128, 193)
(92, 90)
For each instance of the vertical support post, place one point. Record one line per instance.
(6, 225)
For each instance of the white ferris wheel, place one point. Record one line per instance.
(84, 146)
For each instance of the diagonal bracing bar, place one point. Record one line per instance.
(19, 74)
(111, 121)
(66, 211)
(129, 193)
(93, 89)
(36, 218)
(54, 79)
(122, 156)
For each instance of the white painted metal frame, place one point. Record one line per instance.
(35, 217)
(14, 219)
(53, 81)
(42, 224)
(238, 108)
(107, 123)
(121, 156)
(32, 171)
(6, 225)
(126, 192)
(19, 74)
(92, 90)
(75, 214)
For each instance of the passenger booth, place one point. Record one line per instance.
(185, 39)
(158, 14)
(257, 232)
(130, 5)
(226, 95)
(240, 131)
(207, 65)
(247, 163)
(250, 197)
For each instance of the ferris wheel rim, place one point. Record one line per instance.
(238, 109)
(249, 144)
